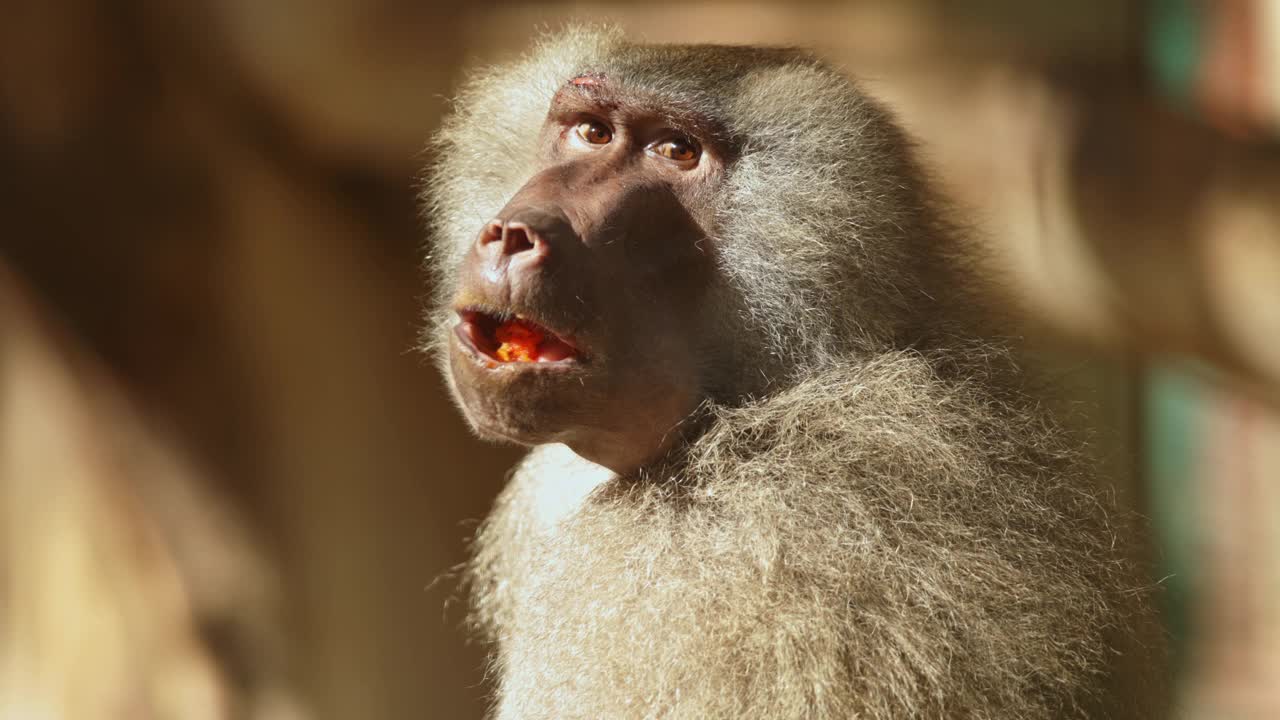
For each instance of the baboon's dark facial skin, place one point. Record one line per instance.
(603, 250)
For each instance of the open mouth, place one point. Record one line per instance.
(512, 339)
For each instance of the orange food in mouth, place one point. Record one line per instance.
(504, 339)
(518, 341)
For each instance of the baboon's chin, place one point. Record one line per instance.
(523, 403)
(519, 423)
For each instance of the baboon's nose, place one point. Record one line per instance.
(514, 237)
(509, 246)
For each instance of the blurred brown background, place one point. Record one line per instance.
(228, 475)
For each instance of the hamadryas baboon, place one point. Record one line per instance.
(780, 469)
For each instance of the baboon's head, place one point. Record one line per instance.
(624, 231)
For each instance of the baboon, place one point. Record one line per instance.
(782, 467)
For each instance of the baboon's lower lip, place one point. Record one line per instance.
(512, 339)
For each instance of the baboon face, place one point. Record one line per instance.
(583, 308)
(683, 224)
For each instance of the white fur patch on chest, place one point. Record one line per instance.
(555, 482)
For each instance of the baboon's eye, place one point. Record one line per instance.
(681, 150)
(595, 133)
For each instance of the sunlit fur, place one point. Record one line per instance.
(884, 526)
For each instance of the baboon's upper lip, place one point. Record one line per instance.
(479, 331)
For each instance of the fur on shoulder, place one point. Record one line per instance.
(872, 543)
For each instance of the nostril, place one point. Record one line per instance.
(491, 233)
(516, 239)
(511, 238)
